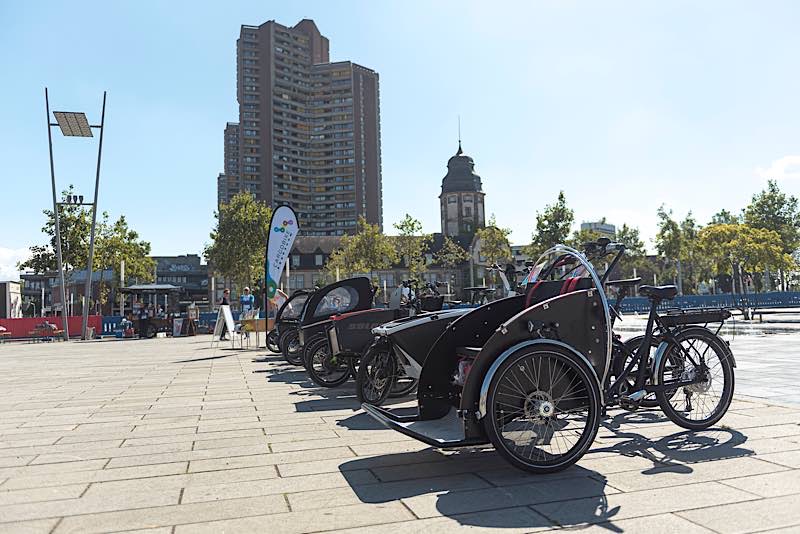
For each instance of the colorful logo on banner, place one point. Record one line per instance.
(284, 227)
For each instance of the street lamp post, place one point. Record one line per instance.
(87, 292)
(75, 124)
(58, 228)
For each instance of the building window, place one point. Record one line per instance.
(297, 281)
(318, 260)
(452, 199)
(467, 211)
(295, 260)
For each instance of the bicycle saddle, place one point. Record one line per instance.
(658, 292)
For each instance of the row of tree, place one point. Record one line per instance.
(756, 245)
(759, 244)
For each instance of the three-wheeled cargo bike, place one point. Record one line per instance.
(332, 355)
(533, 374)
(287, 319)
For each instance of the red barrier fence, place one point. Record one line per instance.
(24, 326)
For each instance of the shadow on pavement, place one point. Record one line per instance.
(672, 452)
(519, 489)
(571, 498)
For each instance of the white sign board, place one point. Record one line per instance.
(224, 316)
(177, 325)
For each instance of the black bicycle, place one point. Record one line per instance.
(678, 364)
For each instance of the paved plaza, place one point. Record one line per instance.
(173, 436)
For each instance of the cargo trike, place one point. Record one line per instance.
(532, 374)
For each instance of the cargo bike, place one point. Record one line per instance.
(333, 353)
(283, 337)
(534, 374)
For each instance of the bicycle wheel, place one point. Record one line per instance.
(272, 341)
(403, 385)
(543, 409)
(696, 353)
(376, 373)
(324, 369)
(291, 347)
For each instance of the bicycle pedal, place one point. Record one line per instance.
(631, 402)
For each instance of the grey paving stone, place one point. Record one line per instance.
(382, 492)
(101, 475)
(72, 491)
(617, 506)
(768, 485)
(142, 431)
(36, 526)
(307, 521)
(571, 489)
(764, 514)
(172, 515)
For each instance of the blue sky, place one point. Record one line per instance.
(623, 105)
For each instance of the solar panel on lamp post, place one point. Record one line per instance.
(75, 124)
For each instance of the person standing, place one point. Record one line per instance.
(246, 300)
(226, 294)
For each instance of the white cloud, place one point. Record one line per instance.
(785, 168)
(8, 262)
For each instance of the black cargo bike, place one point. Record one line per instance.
(533, 374)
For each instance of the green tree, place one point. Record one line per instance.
(451, 255)
(635, 258)
(493, 242)
(117, 242)
(75, 224)
(692, 263)
(552, 226)
(580, 237)
(365, 252)
(740, 248)
(773, 209)
(724, 216)
(676, 243)
(412, 244)
(238, 239)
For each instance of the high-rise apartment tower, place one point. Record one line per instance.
(309, 129)
(229, 182)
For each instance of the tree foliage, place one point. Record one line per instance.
(365, 252)
(117, 242)
(493, 242)
(451, 254)
(580, 237)
(239, 238)
(553, 226)
(635, 252)
(75, 224)
(740, 247)
(772, 209)
(724, 216)
(676, 243)
(412, 244)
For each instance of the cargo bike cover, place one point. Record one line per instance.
(350, 295)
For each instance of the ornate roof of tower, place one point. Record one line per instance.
(461, 175)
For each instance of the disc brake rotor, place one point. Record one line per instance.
(539, 407)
